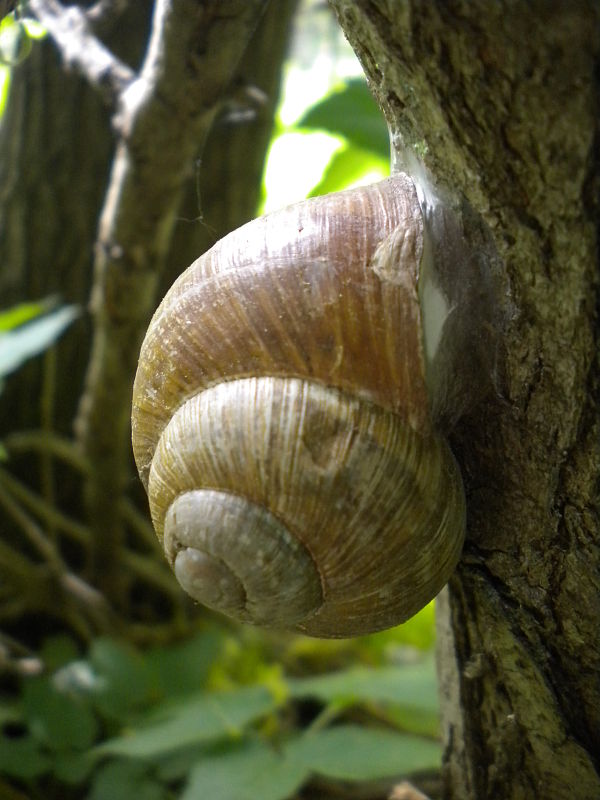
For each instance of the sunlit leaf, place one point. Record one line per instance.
(347, 166)
(353, 753)
(201, 718)
(410, 685)
(34, 28)
(408, 693)
(418, 631)
(352, 113)
(4, 87)
(295, 163)
(252, 772)
(23, 312)
(29, 340)
(6, 6)
(15, 44)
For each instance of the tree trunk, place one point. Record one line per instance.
(500, 102)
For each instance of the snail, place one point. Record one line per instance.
(288, 414)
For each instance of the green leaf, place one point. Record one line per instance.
(4, 87)
(414, 720)
(125, 779)
(29, 340)
(418, 631)
(23, 312)
(411, 685)
(252, 772)
(352, 753)
(34, 28)
(201, 718)
(184, 667)
(15, 44)
(21, 757)
(3, 451)
(124, 680)
(352, 113)
(56, 718)
(72, 766)
(178, 763)
(347, 166)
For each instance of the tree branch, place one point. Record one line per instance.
(81, 50)
(105, 11)
(163, 119)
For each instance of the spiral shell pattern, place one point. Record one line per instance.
(281, 421)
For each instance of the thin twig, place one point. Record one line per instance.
(45, 511)
(79, 624)
(14, 563)
(81, 50)
(153, 573)
(47, 442)
(18, 649)
(32, 530)
(90, 599)
(85, 594)
(46, 415)
(145, 568)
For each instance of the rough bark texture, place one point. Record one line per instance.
(225, 191)
(500, 101)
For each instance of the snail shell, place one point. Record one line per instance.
(284, 426)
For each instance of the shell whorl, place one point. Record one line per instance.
(327, 470)
(324, 290)
(268, 577)
(282, 424)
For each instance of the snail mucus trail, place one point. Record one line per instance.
(289, 407)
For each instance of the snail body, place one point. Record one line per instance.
(286, 415)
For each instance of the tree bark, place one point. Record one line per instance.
(500, 102)
(226, 188)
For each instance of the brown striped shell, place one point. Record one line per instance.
(282, 422)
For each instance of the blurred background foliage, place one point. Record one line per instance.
(202, 708)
